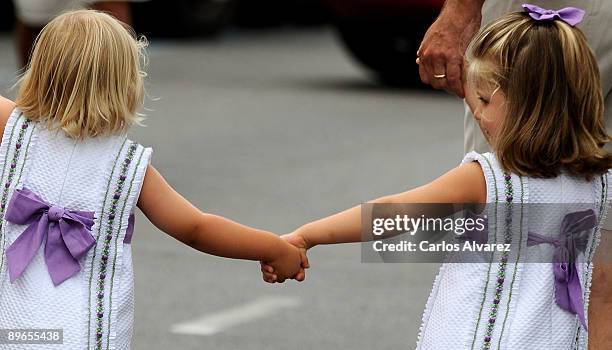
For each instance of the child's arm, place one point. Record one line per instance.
(6, 107)
(464, 184)
(212, 234)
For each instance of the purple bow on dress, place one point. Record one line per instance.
(573, 237)
(569, 15)
(67, 231)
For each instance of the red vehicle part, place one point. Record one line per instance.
(384, 35)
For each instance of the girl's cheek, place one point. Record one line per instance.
(492, 129)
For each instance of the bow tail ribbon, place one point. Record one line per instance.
(75, 235)
(24, 248)
(65, 246)
(573, 237)
(568, 291)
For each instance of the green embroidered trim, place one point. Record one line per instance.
(25, 155)
(107, 241)
(585, 274)
(515, 265)
(9, 181)
(98, 239)
(484, 294)
(501, 273)
(8, 145)
(110, 296)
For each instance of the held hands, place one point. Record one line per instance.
(273, 272)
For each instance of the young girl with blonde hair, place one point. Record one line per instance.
(534, 88)
(71, 181)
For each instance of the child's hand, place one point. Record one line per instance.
(270, 274)
(287, 264)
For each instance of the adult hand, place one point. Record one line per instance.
(440, 56)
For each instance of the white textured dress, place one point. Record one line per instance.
(94, 308)
(497, 304)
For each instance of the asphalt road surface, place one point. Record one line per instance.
(274, 129)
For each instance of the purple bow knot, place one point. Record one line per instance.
(574, 237)
(56, 213)
(569, 15)
(67, 232)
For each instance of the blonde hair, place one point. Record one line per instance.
(554, 102)
(85, 76)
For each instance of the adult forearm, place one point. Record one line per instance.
(459, 13)
(219, 236)
(600, 319)
(600, 299)
(469, 6)
(600, 309)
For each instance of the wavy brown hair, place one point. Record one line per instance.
(554, 102)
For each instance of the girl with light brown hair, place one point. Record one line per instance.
(533, 85)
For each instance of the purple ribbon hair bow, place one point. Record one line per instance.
(569, 15)
(573, 238)
(67, 232)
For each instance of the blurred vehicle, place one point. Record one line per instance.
(176, 18)
(7, 15)
(182, 18)
(384, 35)
(266, 13)
(185, 18)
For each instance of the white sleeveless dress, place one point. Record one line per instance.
(94, 308)
(507, 305)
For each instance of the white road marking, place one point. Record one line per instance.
(220, 321)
